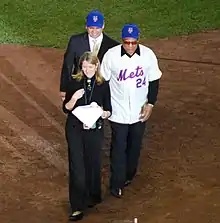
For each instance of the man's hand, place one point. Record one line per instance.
(62, 95)
(145, 113)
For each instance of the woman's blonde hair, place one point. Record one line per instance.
(92, 59)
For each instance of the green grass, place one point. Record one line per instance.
(51, 22)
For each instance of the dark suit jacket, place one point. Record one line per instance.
(78, 44)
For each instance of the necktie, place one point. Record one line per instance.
(95, 48)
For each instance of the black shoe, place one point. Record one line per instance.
(117, 192)
(76, 216)
(127, 182)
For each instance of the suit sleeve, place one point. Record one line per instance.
(107, 106)
(106, 66)
(68, 65)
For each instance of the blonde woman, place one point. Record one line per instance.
(84, 144)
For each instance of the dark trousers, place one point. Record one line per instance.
(125, 152)
(84, 152)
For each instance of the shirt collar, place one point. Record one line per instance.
(99, 39)
(123, 52)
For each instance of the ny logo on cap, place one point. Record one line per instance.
(130, 30)
(95, 18)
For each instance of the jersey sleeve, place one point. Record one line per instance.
(154, 72)
(106, 66)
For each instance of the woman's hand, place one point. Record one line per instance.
(105, 114)
(78, 94)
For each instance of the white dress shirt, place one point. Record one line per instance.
(129, 79)
(98, 41)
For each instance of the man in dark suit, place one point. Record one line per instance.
(92, 40)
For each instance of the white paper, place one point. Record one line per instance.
(88, 114)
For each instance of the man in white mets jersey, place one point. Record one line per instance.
(133, 73)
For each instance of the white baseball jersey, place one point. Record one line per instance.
(129, 78)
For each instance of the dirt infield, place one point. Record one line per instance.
(178, 178)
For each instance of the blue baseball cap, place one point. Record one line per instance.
(130, 31)
(95, 18)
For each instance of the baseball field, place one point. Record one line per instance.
(178, 178)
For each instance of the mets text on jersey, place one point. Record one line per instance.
(138, 73)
